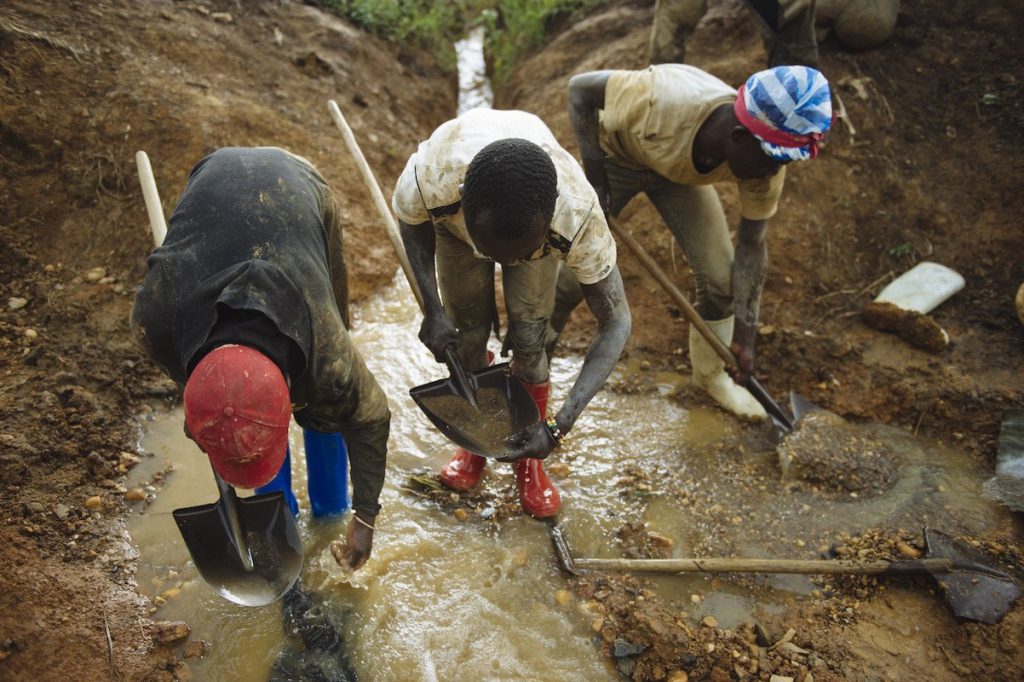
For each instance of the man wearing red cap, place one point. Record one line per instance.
(246, 304)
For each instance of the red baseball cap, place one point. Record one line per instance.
(237, 409)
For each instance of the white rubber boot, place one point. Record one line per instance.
(709, 373)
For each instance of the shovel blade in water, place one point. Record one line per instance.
(973, 590)
(504, 407)
(272, 540)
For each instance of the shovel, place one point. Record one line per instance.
(247, 550)
(973, 590)
(778, 415)
(476, 410)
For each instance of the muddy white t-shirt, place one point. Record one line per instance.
(651, 118)
(578, 234)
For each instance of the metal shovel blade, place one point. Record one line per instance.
(973, 590)
(504, 407)
(270, 538)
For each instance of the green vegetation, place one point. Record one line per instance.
(514, 27)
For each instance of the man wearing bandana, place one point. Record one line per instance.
(495, 187)
(672, 130)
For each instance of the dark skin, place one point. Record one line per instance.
(358, 537)
(607, 301)
(720, 139)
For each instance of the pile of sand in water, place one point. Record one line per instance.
(835, 456)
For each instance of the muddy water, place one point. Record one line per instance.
(442, 599)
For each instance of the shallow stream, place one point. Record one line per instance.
(444, 599)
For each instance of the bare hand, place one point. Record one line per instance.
(744, 363)
(437, 333)
(534, 441)
(354, 552)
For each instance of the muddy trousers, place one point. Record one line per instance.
(466, 284)
(791, 42)
(695, 218)
(326, 474)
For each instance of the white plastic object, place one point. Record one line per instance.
(922, 288)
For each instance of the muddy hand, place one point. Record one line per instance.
(437, 333)
(744, 364)
(354, 552)
(534, 441)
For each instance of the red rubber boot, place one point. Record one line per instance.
(464, 469)
(537, 493)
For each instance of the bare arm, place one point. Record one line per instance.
(607, 300)
(586, 99)
(436, 332)
(748, 270)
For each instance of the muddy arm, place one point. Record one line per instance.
(586, 98)
(748, 271)
(436, 332)
(607, 300)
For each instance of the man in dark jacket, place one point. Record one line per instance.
(246, 305)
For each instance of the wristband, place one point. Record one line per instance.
(368, 525)
(556, 433)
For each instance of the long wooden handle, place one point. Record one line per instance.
(752, 384)
(154, 209)
(671, 289)
(810, 566)
(378, 198)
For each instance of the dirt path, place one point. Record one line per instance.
(933, 173)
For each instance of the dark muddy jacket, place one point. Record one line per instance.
(253, 256)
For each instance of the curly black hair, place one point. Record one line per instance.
(516, 180)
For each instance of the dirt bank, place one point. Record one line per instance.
(933, 172)
(85, 85)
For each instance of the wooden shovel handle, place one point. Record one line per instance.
(378, 198)
(809, 566)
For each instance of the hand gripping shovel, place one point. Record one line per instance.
(248, 550)
(973, 589)
(778, 415)
(477, 410)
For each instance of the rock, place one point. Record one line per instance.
(17, 303)
(790, 649)
(626, 667)
(460, 514)
(95, 275)
(559, 469)
(171, 593)
(196, 648)
(709, 622)
(766, 330)
(31, 334)
(597, 624)
(61, 510)
(563, 597)
(908, 551)
(678, 676)
(93, 502)
(917, 329)
(35, 507)
(167, 631)
(694, 598)
(135, 495)
(222, 17)
(780, 678)
(622, 648)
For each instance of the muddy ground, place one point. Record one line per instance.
(932, 173)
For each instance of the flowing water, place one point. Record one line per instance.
(444, 599)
